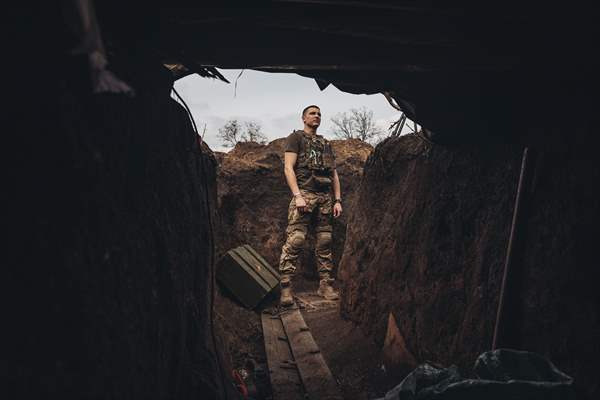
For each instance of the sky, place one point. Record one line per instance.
(274, 100)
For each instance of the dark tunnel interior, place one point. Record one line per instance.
(113, 214)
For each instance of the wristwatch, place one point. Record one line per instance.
(337, 201)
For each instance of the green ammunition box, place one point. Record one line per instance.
(247, 275)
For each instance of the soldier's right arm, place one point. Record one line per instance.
(290, 176)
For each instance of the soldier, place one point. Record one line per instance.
(311, 176)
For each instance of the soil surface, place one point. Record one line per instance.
(353, 358)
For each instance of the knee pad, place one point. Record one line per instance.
(297, 238)
(323, 240)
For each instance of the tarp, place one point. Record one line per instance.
(500, 375)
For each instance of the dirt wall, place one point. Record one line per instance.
(109, 204)
(254, 198)
(428, 240)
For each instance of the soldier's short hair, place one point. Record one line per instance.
(307, 107)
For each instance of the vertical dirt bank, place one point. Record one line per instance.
(428, 239)
(426, 242)
(111, 262)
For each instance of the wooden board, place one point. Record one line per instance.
(318, 381)
(285, 381)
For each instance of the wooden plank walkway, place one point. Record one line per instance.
(296, 365)
(285, 381)
(316, 377)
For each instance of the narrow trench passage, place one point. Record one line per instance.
(110, 194)
(419, 253)
(250, 182)
(252, 201)
(353, 359)
(428, 257)
(252, 208)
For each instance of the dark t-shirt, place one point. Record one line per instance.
(295, 143)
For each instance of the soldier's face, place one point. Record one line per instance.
(312, 117)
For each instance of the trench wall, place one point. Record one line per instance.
(111, 259)
(427, 242)
(428, 239)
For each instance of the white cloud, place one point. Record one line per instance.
(274, 100)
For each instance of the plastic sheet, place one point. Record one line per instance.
(500, 375)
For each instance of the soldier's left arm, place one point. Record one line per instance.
(337, 193)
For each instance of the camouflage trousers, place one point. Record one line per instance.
(319, 207)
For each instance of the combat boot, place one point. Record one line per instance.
(325, 289)
(286, 298)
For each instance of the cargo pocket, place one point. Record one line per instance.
(325, 217)
(292, 212)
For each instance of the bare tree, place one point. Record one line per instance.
(230, 133)
(356, 124)
(253, 133)
(343, 126)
